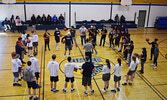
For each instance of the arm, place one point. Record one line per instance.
(62, 39)
(71, 40)
(37, 65)
(94, 70)
(82, 71)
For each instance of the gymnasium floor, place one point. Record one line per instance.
(152, 85)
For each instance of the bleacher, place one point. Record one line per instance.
(161, 23)
(100, 24)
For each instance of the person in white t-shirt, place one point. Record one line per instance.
(19, 66)
(15, 70)
(117, 75)
(106, 75)
(29, 45)
(18, 24)
(35, 66)
(69, 74)
(23, 36)
(35, 41)
(132, 69)
(137, 61)
(53, 67)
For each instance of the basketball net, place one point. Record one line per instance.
(8, 2)
(126, 2)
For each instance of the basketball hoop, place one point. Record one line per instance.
(126, 2)
(8, 2)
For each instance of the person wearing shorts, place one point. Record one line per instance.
(87, 69)
(35, 41)
(131, 71)
(29, 45)
(73, 32)
(69, 74)
(19, 66)
(68, 43)
(53, 68)
(57, 35)
(93, 39)
(88, 47)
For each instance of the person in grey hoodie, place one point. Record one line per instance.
(156, 54)
(82, 30)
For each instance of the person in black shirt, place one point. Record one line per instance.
(68, 43)
(93, 39)
(103, 35)
(12, 23)
(61, 19)
(122, 28)
(73, 32)
(152, 47)
(33, 20)
(49, 20)
(44, 19)
(57, 35)
(87, 69)
(122, 19)
(39, 19)
(143, 59)
(95, 29)
(130, 52)
(111, 40)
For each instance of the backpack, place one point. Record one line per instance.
(27, 75)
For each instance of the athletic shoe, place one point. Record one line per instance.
(124, 84)
(152, 64)
(106, 89)
(49, 49)
(56, 48)
(92, 92)
(72, 90)
(118, 89)
(103, 90)
(114, 48)
(92, 51)
(150, 59)
(64, 56)
(37, 98)
(95, 52)
(14, 84)
(130, 83)
(38, 86)
(55, 91)
(113, 91)
(17, 84)
(155, 67)
(30, 97)
(64, 90)
(86, 94)
(52, 89)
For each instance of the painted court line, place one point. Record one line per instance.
(40, 72)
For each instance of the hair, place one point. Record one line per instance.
(87, 58)
(35, 53)
(72, 26)
(69, 59)
(134, 59)
(108, 63)
(17, 56)
(53, 56)
(119, 61)
(29, 63)
(104, 26)
(46, 30)
(156, 39)
(19, 38)
(131, 42)
(28, 36)
(87, 40)
(136, 54)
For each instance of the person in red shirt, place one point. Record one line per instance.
(46, 39)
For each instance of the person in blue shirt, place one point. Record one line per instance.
(143, 60)
(54, 19)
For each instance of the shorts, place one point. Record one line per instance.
(57, 40)
(35, 44)
(68, 47)
(16, 74)
(29, 48)
(131, 72)
(19, 69)
(69, 78)
(86, 81)
(94, 44)
(54, 78)
(117, 78)
(106, 77)
(117, 41)
(32, 85)
(37, 75)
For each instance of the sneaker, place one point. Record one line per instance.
(64, 90)
(95, 52)
(114, 48)
(72, 90)
(92, 51)
(152, 64)
(118, 89)
(49, 49)
(17, 84)
(92, 92)
(103, 90)
(52, 89)
(150, 59)
(19, 79)
(106, 89)
(64, 56)
(113, 91)
(155, 67)
(130, 83)
(55, 91)
(86, 94)
(30, 97)
(14, 84)
(37, 98)
(118, 49)
(124, 84)
(38, 86)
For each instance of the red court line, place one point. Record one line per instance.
(40, 73)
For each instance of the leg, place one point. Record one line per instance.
(29, 91)
(101, 40)
(48, 46)
(85, 39)
(5, 28)
(104, 41)
(65, 85)
(152, 52)
(55, 85)
(81, 40)
(51, 85)
(72, 85)
(45, 45)
(110, 42)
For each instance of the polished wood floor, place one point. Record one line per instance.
(152, 85)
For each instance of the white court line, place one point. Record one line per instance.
(25, 92)
(77, 89)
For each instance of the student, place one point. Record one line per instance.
(69, 74)
(18, 24)
(73, 32)
(43, 19)
(152, 47)
(35, 41)
(137, 61)
(61, 19)
(131, 71)
(29, 45)
(57, 38)
(117, 39)
(93, 40)
(95, 29)
(33, 20)
(23, 36)
(117, 75)
(12, 23)
(29, 77)
(15, 70)
(82, 30)
(143, 60)
(87, 69)
(68, 43)
(54, 19)
(35, 66)
(47, 39)
(111, 40)
(156, 54)
(103, 35)
(88, 47)
(130, 51)
(6, 23)
(106, 75)
(53, 67)
(19, 66)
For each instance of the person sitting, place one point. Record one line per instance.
(122, 19)
(117, 19)
(43, 19)
(12, 23)
(6, 24)
(49, 19)
(61, 19)
(38, 19)
(33, 20)
(54, 19)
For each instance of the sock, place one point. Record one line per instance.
(72, 88)
(130, 81)
(91, 89)
(29, 95)
(86, 91)
(104, 88)
(107, 87)
(126, 82)
(118, 87)
(34, 96)
(115, 89)
(65, 88)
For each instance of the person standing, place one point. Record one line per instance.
(29, 45)
(111, 40)
(130, 51)
(47, 39)
(53, 67)
(143, 60)
(117, 75)
(93, 40)
(82, 30)
(29, 77)
(35, 41)
(68, 43)
(88, 47)
(156, 54)
(19, 66)
(103, 35)
(57, 35)
(23, 36)
(106, 75)
(73, 32)
(18, 24)
(20, 50)
(87, 69)
(69, 74)
(152, 47)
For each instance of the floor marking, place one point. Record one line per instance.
(24, 92)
